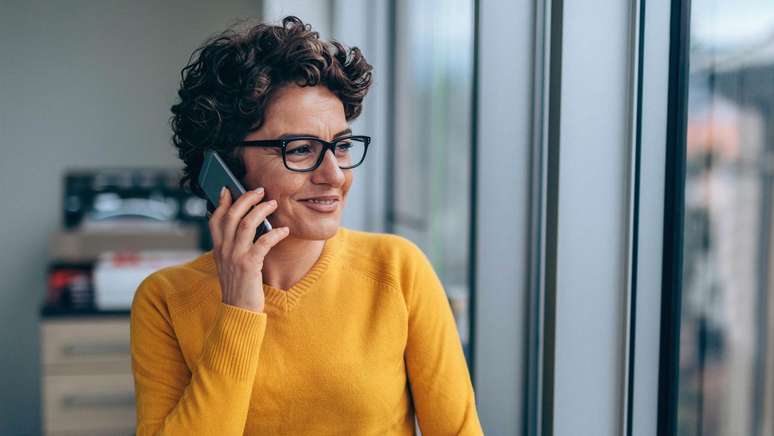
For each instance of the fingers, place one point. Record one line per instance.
(268, 240)
(217, 215)
(234, 215)
(245, 234)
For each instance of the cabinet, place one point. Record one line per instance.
(87, 381)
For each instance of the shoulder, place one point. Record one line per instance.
(390, 258)
(381, 244)
(174, 285)
(382, 248)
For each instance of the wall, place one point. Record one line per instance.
(89, 84)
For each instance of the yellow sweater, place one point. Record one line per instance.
(360, 344)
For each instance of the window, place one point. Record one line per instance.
(432, 139)
(727, 322)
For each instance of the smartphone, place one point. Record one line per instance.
(214, 175)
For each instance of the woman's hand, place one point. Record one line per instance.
(239, 259)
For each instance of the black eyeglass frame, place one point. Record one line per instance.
(283, 143)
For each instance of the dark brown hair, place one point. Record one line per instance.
(230, 80)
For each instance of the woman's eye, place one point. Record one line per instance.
(344, 146)
(300, 150)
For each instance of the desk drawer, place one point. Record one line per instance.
(85, 341)
(88, 403)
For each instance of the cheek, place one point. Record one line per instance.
(284, 189)
(260, 172)
(274, 178)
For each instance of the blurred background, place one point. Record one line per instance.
(727, 333)
(465, 150)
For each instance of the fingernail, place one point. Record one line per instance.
(259, 189)
(222, 192)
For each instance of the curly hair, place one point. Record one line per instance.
(230, 80)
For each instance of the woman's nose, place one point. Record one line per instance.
(329, 172)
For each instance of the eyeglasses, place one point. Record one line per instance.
(305, 153)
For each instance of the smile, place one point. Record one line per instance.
(324, 206)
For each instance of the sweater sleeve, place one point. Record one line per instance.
(438, 374)
(211, 398)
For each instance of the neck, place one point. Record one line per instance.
(289, 261)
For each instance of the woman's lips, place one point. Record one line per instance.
(322, 206)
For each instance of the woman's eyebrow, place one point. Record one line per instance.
(289, 135)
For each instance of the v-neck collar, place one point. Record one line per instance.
(287, 300)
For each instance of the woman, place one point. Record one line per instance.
(312, 328)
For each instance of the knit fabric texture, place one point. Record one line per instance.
(361, 344)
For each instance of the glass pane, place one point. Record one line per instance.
(434, 70)
(350, 152)
(302, 154)
(727, 353)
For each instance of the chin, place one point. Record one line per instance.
(316, 232)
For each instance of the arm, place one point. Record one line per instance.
(440, 382)
(214, 397)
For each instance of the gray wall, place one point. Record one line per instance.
(86, 84)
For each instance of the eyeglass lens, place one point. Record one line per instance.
(303, 154)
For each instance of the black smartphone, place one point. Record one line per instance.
(214, 175)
